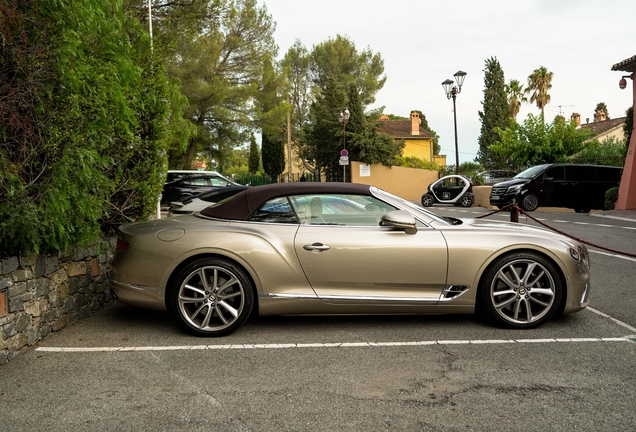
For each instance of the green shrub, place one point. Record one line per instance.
(611, 195)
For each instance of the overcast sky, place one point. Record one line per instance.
(425, 42)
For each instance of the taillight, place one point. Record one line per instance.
(121, 245)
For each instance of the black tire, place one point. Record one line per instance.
(466, 201)
(529, 202)
(504, 295)
(582, 210)
(427, 200)
(211, 297)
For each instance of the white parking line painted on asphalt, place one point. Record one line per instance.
(612, 255)
(620, 323)
(326, 345)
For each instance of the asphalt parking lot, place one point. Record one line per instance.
(132, 369)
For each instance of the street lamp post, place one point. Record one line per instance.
(452, 91)
(343, 117)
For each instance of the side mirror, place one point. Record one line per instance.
(400, 219)
(548, 179)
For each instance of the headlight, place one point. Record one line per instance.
(514, 189)
(580, 254)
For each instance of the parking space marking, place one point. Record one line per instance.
(604, 315)
(612, 255)
(325, 345)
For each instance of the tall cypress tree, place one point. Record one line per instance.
(496, 113)
(255, 160)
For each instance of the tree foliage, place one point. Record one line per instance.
(610, 151)
(84, 108)
(219, 62)
(496, 114)
(539, 84)
(533, 142)
(516, 96)
(255, 157)
(628, 127)
(333, 66)
(603, 108)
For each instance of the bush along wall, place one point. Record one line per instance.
(40, 294)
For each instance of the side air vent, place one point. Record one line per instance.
(453, 291)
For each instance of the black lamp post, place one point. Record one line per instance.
(343, 117)
(452, 91)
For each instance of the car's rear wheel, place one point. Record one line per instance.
(520, 290)
(529, 202)
(466, 200)
(427, 200)
(211, 297)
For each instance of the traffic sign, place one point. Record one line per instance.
(344, 160)
(344, 152)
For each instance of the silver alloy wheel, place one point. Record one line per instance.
(466, 201)
(427, 200)
(530, 202)
(522, 291)
(211, 299)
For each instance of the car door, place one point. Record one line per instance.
(350, 258)
(555, 187)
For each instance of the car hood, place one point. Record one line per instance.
(516, 228)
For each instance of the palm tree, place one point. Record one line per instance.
(516, 95)
(539, 82)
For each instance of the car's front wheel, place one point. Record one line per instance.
(211, 297)
(529, 202)
(520, 290)
(427, 200)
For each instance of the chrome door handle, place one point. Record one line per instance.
(316, 247)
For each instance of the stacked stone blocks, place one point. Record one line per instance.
(40, 294)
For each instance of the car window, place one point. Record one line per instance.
(556, 173)
(218, 182)
(276, 210)
(608, 174)
(339, 209)
(577, 173)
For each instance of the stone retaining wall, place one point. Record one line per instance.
(41, 294)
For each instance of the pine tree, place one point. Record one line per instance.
(496, 114)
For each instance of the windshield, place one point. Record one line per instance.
(531, 172)
(410, 205)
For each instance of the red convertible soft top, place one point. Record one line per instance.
(245, 202)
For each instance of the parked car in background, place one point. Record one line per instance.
(202, 200)
(179, 174)
(575, 186)
(491, 177)
(183, 188)
(342, 248)
(453, 189)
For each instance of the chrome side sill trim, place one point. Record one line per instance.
(353, 298)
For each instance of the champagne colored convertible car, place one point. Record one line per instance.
(340, 248)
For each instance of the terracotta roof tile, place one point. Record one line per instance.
(401, 129)
(628, 65)
(604, 126)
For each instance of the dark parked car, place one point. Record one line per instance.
(200, 201)
(579, 187)
(452, 189)
(182, 189)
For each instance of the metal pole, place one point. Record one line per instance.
(454, 93)
(344, 146)
(150, 22)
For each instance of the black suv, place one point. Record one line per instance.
(579, 187)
